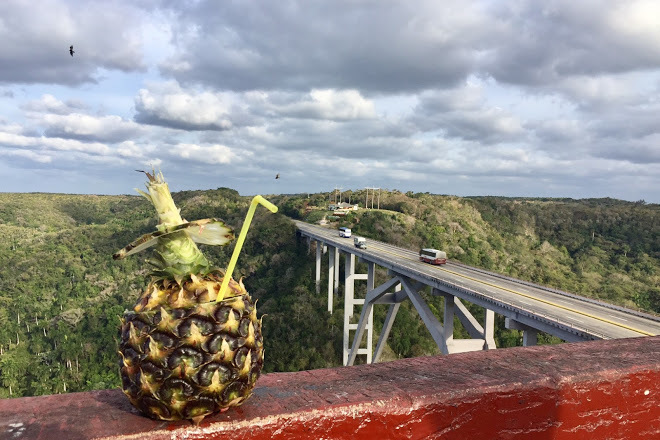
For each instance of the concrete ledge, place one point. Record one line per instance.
(594, 390)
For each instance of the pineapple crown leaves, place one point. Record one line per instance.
(176, 254)
(207, 231)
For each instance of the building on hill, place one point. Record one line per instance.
(343, 205)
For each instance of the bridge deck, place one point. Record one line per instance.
(566, 315)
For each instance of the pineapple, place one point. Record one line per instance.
(184, 352)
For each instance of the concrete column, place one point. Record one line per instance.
(336, 290)
(371, 281)
(370, 336)
(349, 302)
(489, 330)
(530, 334)
(319, 245)
(371, 276)
(448, 321)
(349, 278)
(331, 272)
(530, 337)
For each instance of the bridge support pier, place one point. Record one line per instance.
(378, 295)
(349, 308)
(333, 268)
(333, 260)
(482, 337)
(336, 277)
(530, 334)
(320, 248)
(489, 329)
(318, 267)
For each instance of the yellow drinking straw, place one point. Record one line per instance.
(241, 238)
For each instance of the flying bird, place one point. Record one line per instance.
(71, 51)
(278, 176)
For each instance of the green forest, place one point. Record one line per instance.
(62, 294)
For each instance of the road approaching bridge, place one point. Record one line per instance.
(528, 307)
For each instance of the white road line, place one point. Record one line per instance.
(617, 317)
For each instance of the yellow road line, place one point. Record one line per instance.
(528, 296)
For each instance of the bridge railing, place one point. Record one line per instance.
(557, 320)
(629, 309)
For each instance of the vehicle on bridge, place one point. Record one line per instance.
(344, 232)
(360, 242)
(433, 256)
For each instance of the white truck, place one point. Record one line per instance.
(360, 242)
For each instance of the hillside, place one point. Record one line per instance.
(61, 294)
(600, 248)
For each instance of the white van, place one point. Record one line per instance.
(344, 232)
(360, 242)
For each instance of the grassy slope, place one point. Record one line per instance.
(604, 249)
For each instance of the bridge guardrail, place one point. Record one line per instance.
(630, 310)
(535, 315)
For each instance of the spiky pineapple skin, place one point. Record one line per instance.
(184, 356)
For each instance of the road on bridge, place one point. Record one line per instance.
(599, 319)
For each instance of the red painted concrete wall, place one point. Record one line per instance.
(591, 390)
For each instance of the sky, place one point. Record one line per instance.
(559, 98)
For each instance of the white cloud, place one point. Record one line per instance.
(559, 130)
(107, 128)
(131, 150)
(27, 154)
(635, 22)
(51, 146)
(463, 113)
(602, 90)
(336, 105)
(169, 105)
(49, 104)
(205, 154)
(11, 128)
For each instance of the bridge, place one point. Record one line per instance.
(526, 306)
